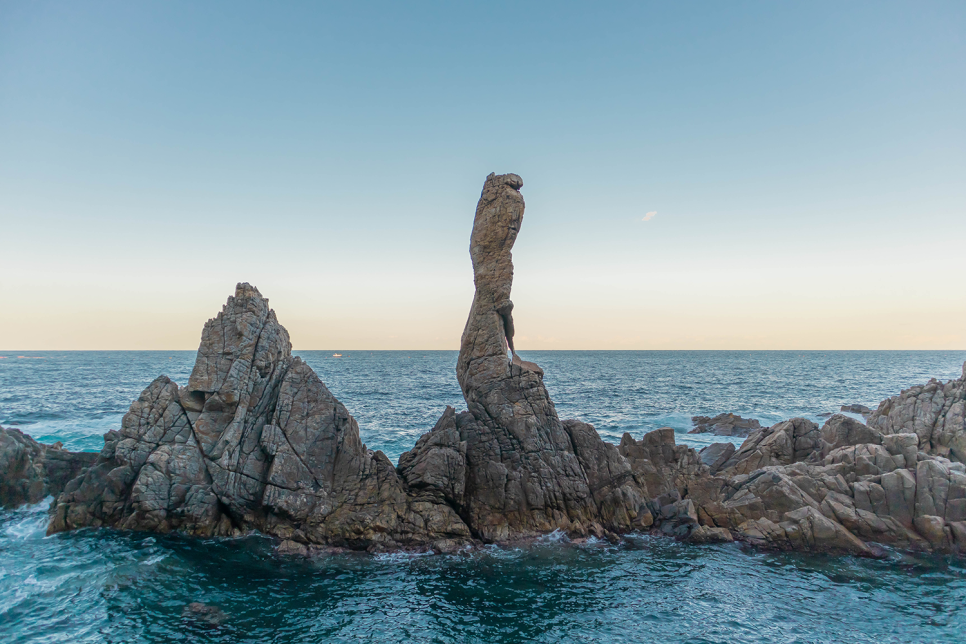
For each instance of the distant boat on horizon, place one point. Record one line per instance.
(336, 355)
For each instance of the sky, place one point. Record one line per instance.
(699, 175)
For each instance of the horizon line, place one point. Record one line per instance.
(294, 350)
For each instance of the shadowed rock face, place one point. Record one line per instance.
(21, 461)
(254, 442)
(30, 471)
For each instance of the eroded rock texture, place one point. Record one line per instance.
(837, 489)
(526, 471)
(934, 412)
(254, 442)
(30, 471)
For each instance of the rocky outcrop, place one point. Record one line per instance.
(934, 412)
(781, 444)
(724, 425)
(21, 462)
(841, 488)
(255, 441)
(30, 471)
(527, 472)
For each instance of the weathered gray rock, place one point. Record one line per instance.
(838, 489)
(781, 444)
(254, 442)
(724, 425)
(526, 473)
(703, 534)
(716, 455)
(30, 471)
(437, 464)
(617, 493)
(21, 469)
(934, 412)
(841, 430)
(662, 467)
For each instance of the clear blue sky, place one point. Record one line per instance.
(807, 163)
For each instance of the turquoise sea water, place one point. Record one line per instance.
(105, 586)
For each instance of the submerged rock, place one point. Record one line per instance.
(203, 614)
(724, 425)
(31, 471)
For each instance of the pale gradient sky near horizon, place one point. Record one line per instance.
(807, 163)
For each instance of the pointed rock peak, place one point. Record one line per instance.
(244, 289)
(244, 335)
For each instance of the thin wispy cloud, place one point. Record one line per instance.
(649, 216)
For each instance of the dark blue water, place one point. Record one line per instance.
(103, 586)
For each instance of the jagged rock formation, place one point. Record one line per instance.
(526, 472)
(934, 412)
(254, 442)
(839, 488)
(724, 425)
(31, 470)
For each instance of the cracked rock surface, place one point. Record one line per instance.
(724, 425)
(527, 473)
(255, 441)
(934, 412)
(30, 471)
(840, 488)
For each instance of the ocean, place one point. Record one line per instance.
(106, 586)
